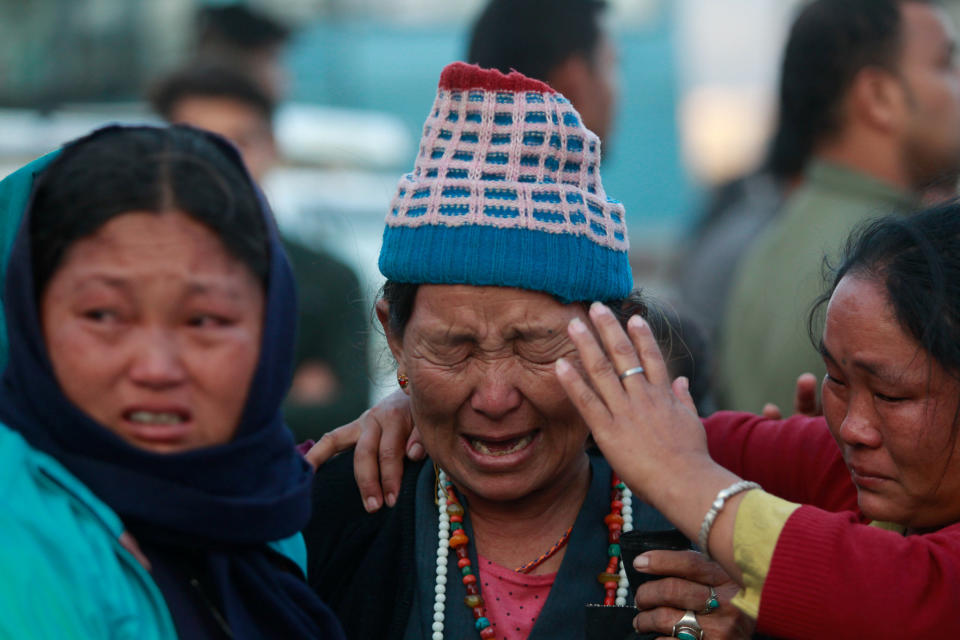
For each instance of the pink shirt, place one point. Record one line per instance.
(513, 600)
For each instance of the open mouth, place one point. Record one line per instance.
(499, 448)
(155, 417)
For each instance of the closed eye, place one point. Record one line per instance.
(885, 398)
(208, 321)
(449, 355)
(100, 315)
(833, 380)
(538, 356)
(543, 349)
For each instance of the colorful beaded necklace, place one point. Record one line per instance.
(453, 536)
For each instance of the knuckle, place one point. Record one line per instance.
(717, 576)
(674, 589)
(647, 592)
(664, 618)
(624, 348)
(365, 449)
(599, 368)
(389, 452)
(327, 445)
(586, 398)
(367, 486)
(648, 350)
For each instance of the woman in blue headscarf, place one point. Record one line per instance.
(150, 487)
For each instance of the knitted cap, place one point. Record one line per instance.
(506, 191)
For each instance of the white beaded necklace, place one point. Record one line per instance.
(443, 552)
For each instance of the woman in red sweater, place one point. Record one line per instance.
(856, 530)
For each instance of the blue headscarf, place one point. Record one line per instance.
(226, 501)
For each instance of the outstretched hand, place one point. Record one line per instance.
(382, 435)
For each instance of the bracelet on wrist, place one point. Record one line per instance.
(716, 507)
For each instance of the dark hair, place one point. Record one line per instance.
(830, 42)
(120, 169)
(534, 36)
(917, 261)
(681, 342)
(209, 81)
(789, 151)
(239, 27)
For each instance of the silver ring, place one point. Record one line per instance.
(712, 603)
(631, 372)
(687, 627)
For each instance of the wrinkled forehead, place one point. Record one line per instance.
(490, 311)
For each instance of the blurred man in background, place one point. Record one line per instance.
(331, 383)
(239, 37)
(737, 214)
(561, 42)
(875, 87)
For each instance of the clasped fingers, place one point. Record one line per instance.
(731, 625)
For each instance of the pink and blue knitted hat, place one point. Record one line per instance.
(506, 192)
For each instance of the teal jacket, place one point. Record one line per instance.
(63, 572)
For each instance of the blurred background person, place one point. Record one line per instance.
(331, 383)
(873, 88)
(562, 42)
(737, 213)
(241, 37)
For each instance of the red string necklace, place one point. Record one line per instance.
(552, 551)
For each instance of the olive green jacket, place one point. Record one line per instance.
(764, 342)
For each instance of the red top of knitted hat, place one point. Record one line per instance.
(463, 76)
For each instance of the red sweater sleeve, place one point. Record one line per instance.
(796, 459)
(834, 578)
(831, 575)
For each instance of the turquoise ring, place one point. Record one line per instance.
(687, 627)
(712, 603)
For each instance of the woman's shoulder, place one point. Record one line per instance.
(343, 539)
(337, 505)
(32, 483)
(64, 569)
